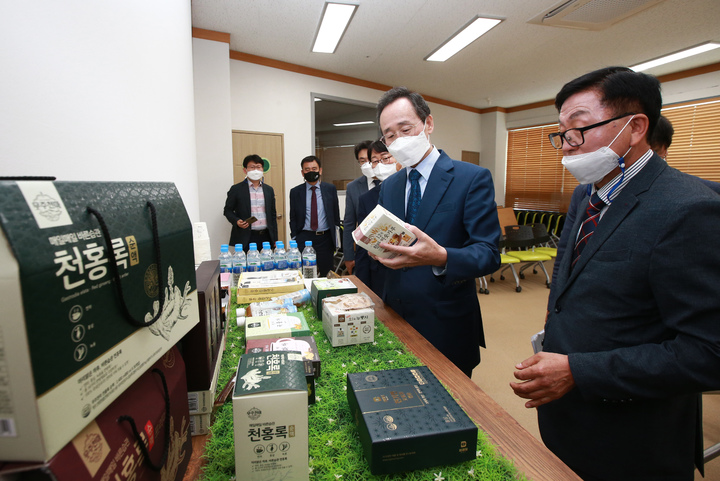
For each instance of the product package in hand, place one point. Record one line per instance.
(382, 226)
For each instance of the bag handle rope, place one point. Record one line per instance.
(116, 272)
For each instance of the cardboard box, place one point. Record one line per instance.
(270, 282)
(381, 225)
(66, 343)
(201, 402)
(201, 346)
(270, 417)
(407, 420)
(349, 319)
(200, 424)
(292, 324)
(107, 448)
(322, 288)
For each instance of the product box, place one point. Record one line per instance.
(200, 424)
(407, 420)
(201, 402)
(270, 282)
(322, 288)
(108, 449)
(305, 345)
(349, 319)
(292, 324)
(270, 417)
(381, 225)
(201, 346)
(70, 340)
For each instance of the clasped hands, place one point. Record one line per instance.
(546, 376)
(424, 252)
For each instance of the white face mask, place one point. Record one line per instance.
(367, 171)
(592, 167)
(409, 150)
(254, 174)
(383, 171)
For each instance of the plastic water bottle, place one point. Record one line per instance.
(266, 257)
(280, 256)
(309, 261)
(253, 259)
(225, 259)
(294, 258)
(239, 263)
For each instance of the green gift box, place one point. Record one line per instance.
(78, 329)
(407, 420)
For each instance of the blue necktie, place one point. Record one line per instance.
(592, 217)
(414, 200)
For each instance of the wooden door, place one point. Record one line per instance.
(270, 147)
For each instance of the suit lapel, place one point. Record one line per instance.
(394, 194)
(245, 195)
(438, 183)
(614, 216)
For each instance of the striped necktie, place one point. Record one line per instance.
(592, 217)
(414, 200)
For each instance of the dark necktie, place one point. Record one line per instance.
(313, 209)
(592, 217)
(414, 200)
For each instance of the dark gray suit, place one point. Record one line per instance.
(354, 190)
(639, 316)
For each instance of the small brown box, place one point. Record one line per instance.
(201, 346)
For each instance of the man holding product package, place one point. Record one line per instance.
(450, 206)
(632, 335)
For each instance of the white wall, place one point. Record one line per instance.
(271, 100)
(213, 134)
(98, 91)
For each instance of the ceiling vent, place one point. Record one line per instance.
(590, 14)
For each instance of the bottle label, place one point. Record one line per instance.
(282, 265)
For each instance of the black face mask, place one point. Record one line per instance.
(311, 176)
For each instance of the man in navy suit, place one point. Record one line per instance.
(632, 336)
(354, 190)
(251, 197)
(314, 214)
(450, 206)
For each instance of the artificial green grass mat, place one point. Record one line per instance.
(335, 449)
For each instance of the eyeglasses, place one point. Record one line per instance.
(575, 137)
(404, 131)
(310, 169)
(386, 159)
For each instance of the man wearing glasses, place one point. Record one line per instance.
(632, 335)
(353, 192)
(450, 206)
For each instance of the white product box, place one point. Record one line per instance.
(349, 319)
(382, 226)
(270, 417)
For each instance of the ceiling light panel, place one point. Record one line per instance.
(335, 19)
(706, 47)
(467, 35)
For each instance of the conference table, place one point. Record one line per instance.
(529, 455)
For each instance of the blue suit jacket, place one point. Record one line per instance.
(458, 211)
(297, 208)
(355, 189)
(638, 316)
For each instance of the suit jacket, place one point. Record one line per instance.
(355, 189)
(367, 269)
(237, 206)
(638, 317)
(458, 211)
(297, 209)
(578, 201)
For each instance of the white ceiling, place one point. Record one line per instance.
(516, 63)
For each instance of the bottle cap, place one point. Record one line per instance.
(308, 243)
